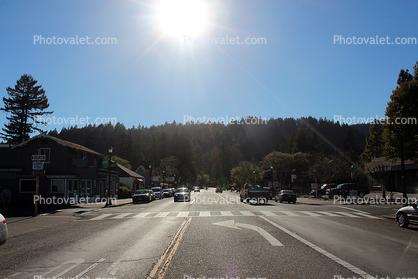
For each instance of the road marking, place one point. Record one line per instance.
(290, 213)
(165, 259)
(140, 215)
(88, 269)
(320, 250)
(162, 214)
(120, 216)
(268, 213)
(360, 212)
(226, 213)
(247, 213)
(104, 215)
(75, 263)
(329, 214)
(183, 214)
(204, 213)
(348, 214)
(312, 214)
(231, 224)
(113, 269)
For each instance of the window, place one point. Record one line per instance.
(27, 186)
(46, 152)
(57, 185)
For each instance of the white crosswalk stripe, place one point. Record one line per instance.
(183, 214)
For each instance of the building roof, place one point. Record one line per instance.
(62, 142)
(129, 172)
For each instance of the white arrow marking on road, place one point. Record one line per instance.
(231, 224)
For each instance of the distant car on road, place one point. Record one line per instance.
(323, 190)
(182, 194)
(167, 193)
(344, 189)
(142, 195)
(286, 195)
(3, 230)
(159, 194)
(255, 192)
(196, 188)
(407, 215)
(219, 190)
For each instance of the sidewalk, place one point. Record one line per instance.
(21, 221)
(372, 198)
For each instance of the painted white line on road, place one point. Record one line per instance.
(162, 214)
(231, 224)
(329, 214)
(120, 216)
(360, 212)
(204, 213)
(290, 213)
(104, 215)
(348, 214)
(89, 268)
(183, 214)
(268, 213)
(247, 213)
(336, 259)
(312, 214)
(74, 263)
(226, 213)
(140, 215)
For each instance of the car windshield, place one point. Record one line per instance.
(287, 192)
(141, 192)
(156, 189)
(254, 186)
(182, 190)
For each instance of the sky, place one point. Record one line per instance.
(161, 62)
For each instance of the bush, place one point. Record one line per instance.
(125, 192)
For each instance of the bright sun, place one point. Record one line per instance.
(182, 17)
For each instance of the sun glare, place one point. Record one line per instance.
(182, 17)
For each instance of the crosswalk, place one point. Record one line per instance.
(183, 214)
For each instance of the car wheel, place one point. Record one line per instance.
(275, 199)
(402, 220)
(281, 201)
(294, 202)
(241, 199)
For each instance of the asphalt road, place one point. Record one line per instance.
(215, 236)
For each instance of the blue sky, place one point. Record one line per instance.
(150, 77)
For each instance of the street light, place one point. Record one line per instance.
(109, 202)
(150, 176)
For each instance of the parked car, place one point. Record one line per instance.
(254, 192)
(182, 194)
(344, 189)
(3, 230)
(142, 195)
(219, 190)
(196, 188)
(322, 190)
(167, 193)
(152, 194)
(159, 194)
(407, 215)
(286, 195)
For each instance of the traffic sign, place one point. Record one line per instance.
(38, 165)
(38, 157)
(38, 172)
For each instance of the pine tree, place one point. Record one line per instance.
(26, 104)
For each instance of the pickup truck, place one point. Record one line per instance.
(344, 189)
(255, 192)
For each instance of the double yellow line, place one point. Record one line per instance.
(160, 268)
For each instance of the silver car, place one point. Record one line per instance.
(3, 230)
(407, 215)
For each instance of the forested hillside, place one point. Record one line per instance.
(212, 150)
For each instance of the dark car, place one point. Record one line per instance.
(322, 191)
(219, 190)
(344, 190)
(142, 195)
(182, 194)
(407, 215)
(286, 195)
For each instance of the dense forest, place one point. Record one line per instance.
(202, 152)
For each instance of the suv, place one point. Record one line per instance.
(344, 189)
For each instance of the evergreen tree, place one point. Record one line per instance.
(26, 104)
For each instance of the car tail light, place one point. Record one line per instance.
(4, 221)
